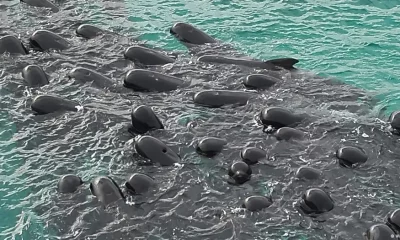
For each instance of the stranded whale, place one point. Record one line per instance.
(88, 75)
(210, 146)
(156, 151)
(274, 64)
(34, 76)
(41, 3)
(106, 190)
(193, 38)
(13, 45)
(144, 119)
(43, 40)
(143, 56)
(88, 31)
(150, 81)
(69, 183)
(44, 104)
(219, 98)
(189, 35)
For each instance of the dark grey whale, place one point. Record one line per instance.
(34, 76)
(69, 183)
(144, 119)
(192, 38)
(139, 183)
(252, 155)
(88, 75)
(156, 151)
(349, 156)
(259, 81)
(43, 40)
(316, 201)
(287, 133)
(239, 172)
(143, 56)
(394, 121)
(189, 35)
(278, 117)
(106, 190)
(219, 98)
(309, 173)
(274, 64)
(13, 45)
(88, 31)
(41, 3)
(256, 203)
(210, 146)
(380, 232)
(393, 220)
(151, 81)
(44, 104)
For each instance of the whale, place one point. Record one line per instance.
(196, 40)
(309, 173)
(394, 121)
(219, 98)
(139, 183)
(44, 104)
(259, 81)
(278, 117)
(287, 133)
(12, 45)
(143, 56)
(43, 40)
(380, 232)
(150, 81)
(350, 156)
(256, 203)
(88, 31)
(106, 190)
(316, 201)
(273, 64)
(239, 172)
(393, 220)
(34, 76)
(69, 183)
(252, 155)
(156, 151)
(189, 35)
(210, 146)
(41, 3)
(143, 120)
(88, 75)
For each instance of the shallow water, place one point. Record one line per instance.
(354, 42)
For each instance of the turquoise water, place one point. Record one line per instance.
(356, 42)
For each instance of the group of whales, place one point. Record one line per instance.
(278, 121)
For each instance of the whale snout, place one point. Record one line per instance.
(177, 28)
(172, 31)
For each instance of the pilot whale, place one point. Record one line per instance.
(274, 64)
(193, 38)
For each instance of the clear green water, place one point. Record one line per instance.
(354, 41)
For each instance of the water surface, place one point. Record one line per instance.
(353, 42)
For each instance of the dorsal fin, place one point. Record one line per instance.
(286, 63)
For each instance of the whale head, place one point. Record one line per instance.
(187, 33)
